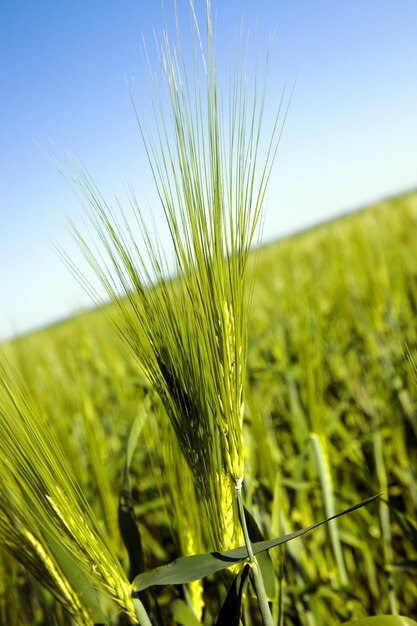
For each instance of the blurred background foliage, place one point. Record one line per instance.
(330, 419)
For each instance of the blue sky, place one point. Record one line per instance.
(350, 135)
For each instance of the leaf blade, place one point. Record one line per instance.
(190, 568)
(230, 612)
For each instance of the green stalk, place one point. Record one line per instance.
(143, 618)
(256, 576)
(328, 496)
(384, 515)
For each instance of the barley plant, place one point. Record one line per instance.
(45, 521)
(187, 325)
(140, 471)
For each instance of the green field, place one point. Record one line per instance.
(330, 419)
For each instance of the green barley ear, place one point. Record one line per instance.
(183, 508)
(190, 333)
(45, 521)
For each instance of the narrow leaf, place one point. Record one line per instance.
(382, 620)
(135, 431)
(186, 569)
(230, 612)
(127, 524)
(130, 534)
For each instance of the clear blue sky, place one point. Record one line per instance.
(350, 136)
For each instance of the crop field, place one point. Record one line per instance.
(329, 420)
(231, 440)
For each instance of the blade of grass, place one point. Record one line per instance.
(187, 569)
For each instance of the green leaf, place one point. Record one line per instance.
(135, 431)
(127, 523)
(263, 558)
(382, 620)
(189, 568)
(183, 614)
(130, 534)
(230, 612)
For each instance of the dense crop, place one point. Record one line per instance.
(199, 429)
(330, 420)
